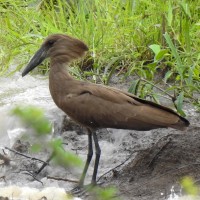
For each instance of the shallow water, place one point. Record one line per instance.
(27, 193)
(22, 91)
(33, 90)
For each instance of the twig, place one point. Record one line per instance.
(79, 148)
(4, 152)
(166, 97)
(21, 154)
(45, 163)
(159, 151)
(33, 176)
(172, 97)
(62, 179)
(4, 178)
(142, 79)
(130, 157)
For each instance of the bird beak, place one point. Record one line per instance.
(39, 56)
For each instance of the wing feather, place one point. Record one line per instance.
(100, 106)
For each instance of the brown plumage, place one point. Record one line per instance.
(96, 106)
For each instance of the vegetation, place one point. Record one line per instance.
(189, 186)
(35, 119)
(156, 42)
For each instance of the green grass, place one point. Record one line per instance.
(143, 38)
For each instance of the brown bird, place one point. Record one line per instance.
(96, 106)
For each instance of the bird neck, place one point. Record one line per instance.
(58, 81)
(59, 70)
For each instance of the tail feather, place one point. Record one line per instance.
(182, 124)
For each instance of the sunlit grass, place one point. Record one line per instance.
(120, 34)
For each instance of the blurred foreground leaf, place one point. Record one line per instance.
(189, 186)
(106, 193)
(36, 148)
(62, 157)
(33, 117)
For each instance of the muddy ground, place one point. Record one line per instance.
(141, 165)
(152, 162)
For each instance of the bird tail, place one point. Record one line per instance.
(181, 124)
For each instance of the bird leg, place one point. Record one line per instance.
(89, 157)
(98, 154)
(79, 188)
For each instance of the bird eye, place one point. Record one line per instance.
(50, 42)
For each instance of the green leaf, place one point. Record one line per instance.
(186, 9)
(190, 77)
(179, 104)
(155, 98)
(155, 48)
(134, 86)
(167, 76)
(152, 66)
(161, 54)
(169, 14)
(113, 69)
(62, 157)
(180, 66)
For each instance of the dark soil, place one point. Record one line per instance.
(151, 171)
(155, 170)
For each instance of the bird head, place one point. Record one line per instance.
(60, 48)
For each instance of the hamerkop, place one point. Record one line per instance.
(96, 106)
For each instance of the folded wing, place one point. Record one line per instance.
(100, 106)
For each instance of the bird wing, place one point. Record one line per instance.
(98, 106)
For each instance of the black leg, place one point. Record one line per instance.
(80, 189)
(89, 157)
(98, 154)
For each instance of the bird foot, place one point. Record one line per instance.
(81, 190)
(78, 190)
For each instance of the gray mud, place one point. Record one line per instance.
(149, 163)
